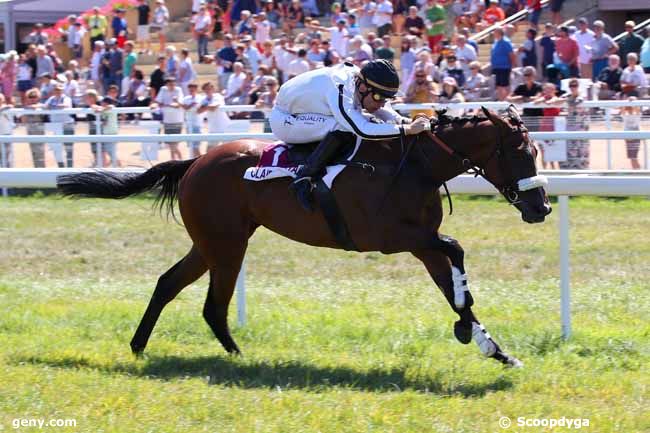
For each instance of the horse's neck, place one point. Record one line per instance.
(473, 141)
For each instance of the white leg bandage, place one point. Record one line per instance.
(483, 339)
(460, 286)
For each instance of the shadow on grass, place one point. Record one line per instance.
(286, 375)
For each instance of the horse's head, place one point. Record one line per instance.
(512, 169)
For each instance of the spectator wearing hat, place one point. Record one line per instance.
(60, 101)
(170, 99)
(142, 32)
(630, 43)
(160, 22)
(602, 46)
(98, 24)
(585, 38)
(383, 17)
(112, 65)
(476, 82)
(262, 28)
(451, 94)
(193, 121)
(567, 50)
(503, 59)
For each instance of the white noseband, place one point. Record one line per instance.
(532, 182)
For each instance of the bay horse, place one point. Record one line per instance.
(221, 210)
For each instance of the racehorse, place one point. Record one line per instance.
(221, 210)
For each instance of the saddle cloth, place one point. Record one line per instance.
(276, 162)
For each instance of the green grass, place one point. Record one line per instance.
(336, 341)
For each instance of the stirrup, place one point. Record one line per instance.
(304, 179)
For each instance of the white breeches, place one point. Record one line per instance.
(300, 128)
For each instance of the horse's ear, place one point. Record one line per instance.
(491, 115)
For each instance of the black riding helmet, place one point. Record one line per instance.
(381, 78)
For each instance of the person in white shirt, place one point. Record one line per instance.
(75, 37)
(465, 53)
(366, 14)
(633, 79)
(193, 120)
(251, 52)
(6, 128)
(262, 30)
(235, 82)
(202, 30)
(339, 36)
(333, 105)
(585, 38)
(96, 61)
(186, 72)
(218, 121)
(383, 17)
(299, 65)
(71, 89)
(169, 99)
(57, 101)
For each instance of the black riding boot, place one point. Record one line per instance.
(316, 162)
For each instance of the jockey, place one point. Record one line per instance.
(327, 104)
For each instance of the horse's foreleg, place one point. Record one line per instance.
(452, 249)
(170, 284)
(224, 270)
(468, 327)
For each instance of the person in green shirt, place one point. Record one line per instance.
(130, 57)
(436, 19)
(98, 24)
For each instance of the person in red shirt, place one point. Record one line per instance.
(493, 14)
(567, 50)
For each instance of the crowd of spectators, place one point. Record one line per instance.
(255, 46)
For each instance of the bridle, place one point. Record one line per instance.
(511, 187)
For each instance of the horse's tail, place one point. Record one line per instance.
(106, 184)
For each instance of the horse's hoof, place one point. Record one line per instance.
(508, 360)
(463, 332)
(137, 350)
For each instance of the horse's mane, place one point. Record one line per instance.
(443, 119)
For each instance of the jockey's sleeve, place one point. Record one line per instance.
(388, 114)
(343, 110)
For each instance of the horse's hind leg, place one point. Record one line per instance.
(440, 269)
(185, 272)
